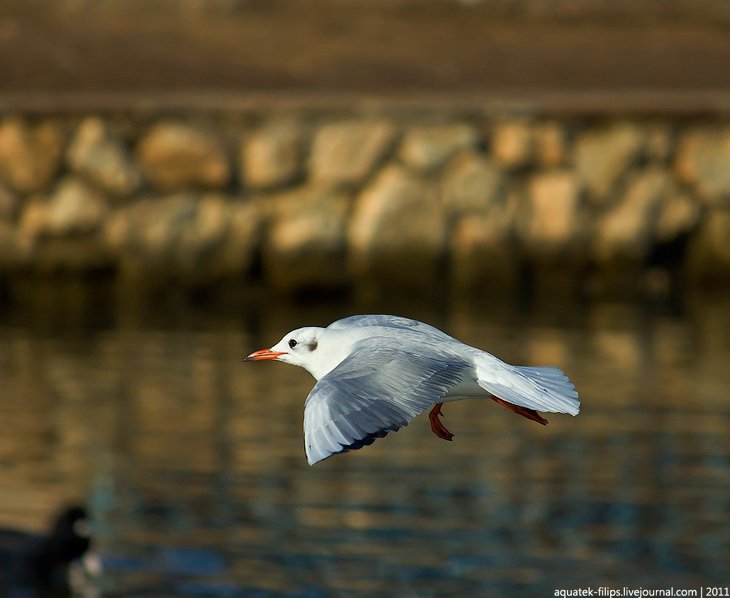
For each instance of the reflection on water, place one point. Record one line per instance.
(193, 464)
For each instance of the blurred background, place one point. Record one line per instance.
(183, 182)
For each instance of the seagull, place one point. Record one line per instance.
(375, 373)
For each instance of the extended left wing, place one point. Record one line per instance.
(378, 389)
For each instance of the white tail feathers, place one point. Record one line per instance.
(545, 389)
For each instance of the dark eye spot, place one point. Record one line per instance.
(292, 343)
(312, 345)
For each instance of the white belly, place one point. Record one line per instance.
(466, 389)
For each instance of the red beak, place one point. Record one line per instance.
(263, 354)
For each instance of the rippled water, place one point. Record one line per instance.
(193, 464)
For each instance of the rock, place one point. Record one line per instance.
(305, 245)
(659, 142)
(552, 225)
(550, 144)
(197, 252)
(625, 231)
(70, 254)
(8, 203)
(32, 220)
(512, 143)
(601, 157)
(150, 230)
(703, 159)
(272, 157)
(98, 154)
(117, 230)
(428, 148)
(243, 238)
(483, 255)
(14, 248)
(73, 208)
(58, 233)
(211, 221)
(161, 224)
(347, 152)
(397, 232)
(471, 183)
(678, 215)
(29, 155)
(709, 252)
(199, 234)
(176, 156)
(196, 239)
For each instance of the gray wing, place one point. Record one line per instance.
(376, 390)
(386, 321)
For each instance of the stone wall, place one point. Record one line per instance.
(368, 198)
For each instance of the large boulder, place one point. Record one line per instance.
(679, 215)
(709, 251)
(397, 232)
(195, 238)
(14, 248)
(8, 203)
(101, 156)
(149, 232)
(470, 184)
(625, 232)
(29, 155)
(483, 256)
(551, 225)
(703, 159)
(72, 209)
(430, 147)
(550, 144)
(272, 156)
(177, 156)
(659, 140)
(603, 156)
(305, 244)
(243, 238)
(347, 152)
(513, 143)
(201, 240)
(61, 230)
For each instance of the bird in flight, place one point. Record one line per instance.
(375, 373)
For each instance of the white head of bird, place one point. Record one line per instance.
(311, 348)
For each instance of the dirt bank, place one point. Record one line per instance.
(329, 47)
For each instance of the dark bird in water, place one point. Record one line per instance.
(32, 565)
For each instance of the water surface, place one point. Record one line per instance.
(193, 463)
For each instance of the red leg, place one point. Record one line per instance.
(523, 411)
(436, 426)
